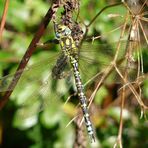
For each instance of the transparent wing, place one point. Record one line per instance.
(96, 58)
(32, 72)
(37, 90)
(43, 96)
(96, 65)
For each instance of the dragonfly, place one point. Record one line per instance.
(33, 92)
(68, 46)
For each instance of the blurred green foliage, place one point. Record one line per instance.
(35, 116)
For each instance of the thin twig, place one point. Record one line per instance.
(3, 18)
(100, 12)
(113, 5)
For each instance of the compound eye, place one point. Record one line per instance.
(57, 35)
(67, 31)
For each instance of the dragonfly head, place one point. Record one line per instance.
(62, 31)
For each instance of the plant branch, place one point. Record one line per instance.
(3, 18)
(49, 15)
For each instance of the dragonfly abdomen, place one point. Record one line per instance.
(82, 98)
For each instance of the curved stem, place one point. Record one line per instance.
(106, 7)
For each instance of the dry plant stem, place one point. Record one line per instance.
(143, 32)
(110, 67)
(3, 18)
(116, 101)
(80, 135)
(125, 4)
(140, 24)
(144, 19)
(121, 36)
(136, 22)
(105, 74)
(132, 89)
(142, 7)
(119, 138)
(139, 16)
(71, 121)
(138, 47)
(141, 57)
(29, 52)
(74, 94)
(135, 36)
